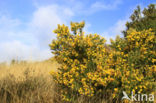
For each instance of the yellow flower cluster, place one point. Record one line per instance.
(89, 66)
(135, 62)
(76, 26)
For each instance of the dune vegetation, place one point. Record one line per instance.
(27, 82)
(86, 69)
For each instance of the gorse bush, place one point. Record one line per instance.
(136, 61)
(81, 58)
(90, 67)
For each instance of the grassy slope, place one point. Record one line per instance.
(27, 82)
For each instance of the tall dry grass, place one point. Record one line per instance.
(27, 82)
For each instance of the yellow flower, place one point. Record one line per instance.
(153, 60)
(115, 89)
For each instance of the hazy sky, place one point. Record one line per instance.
(26, 25)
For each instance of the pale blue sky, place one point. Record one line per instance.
(26, 25)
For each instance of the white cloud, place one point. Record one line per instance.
(115, 30)
(119, 27)
(30, 40)
(68, 12)
(18, 50)
(7, 22)
(44, 21)
(87, 8)
(8, 26)
(86, 28)
(103, 6)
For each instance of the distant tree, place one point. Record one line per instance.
(142, 20)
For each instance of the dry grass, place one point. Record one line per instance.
(23, 82)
